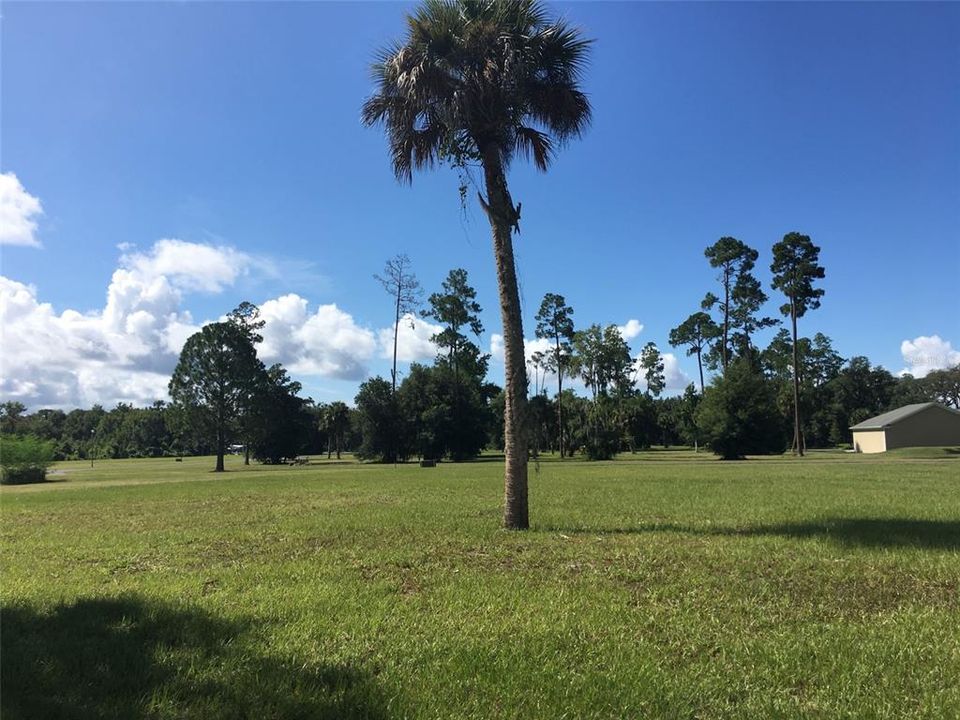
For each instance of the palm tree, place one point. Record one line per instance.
(336, 418)
(475, 83)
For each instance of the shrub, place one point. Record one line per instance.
(738, 414)
(24, 459)
(604, 444)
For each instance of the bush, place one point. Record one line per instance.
(24, 459)
(738, 414)
(604, 444)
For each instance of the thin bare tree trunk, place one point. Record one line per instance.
(503, 218)
(221, 442)
(394, 440)
(396, 331)
(560, 397)
(797, 446)
(700, 367)
(726, 315)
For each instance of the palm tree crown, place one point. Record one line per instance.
(475, 76)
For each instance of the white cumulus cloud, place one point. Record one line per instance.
(73, 359)
(538, 375)
(630, 329)
(326, 342)
(126, 350)
(18, 208)
(413, 340)
(926, 353)
(674, 376)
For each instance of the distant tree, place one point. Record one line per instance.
(776, 360)
(859, 391)
(687, 417)
(819, 365)
(378, 417)
(639, 422)
(213, 378)
(404, 288)
(478, 83)
(602, 359)
(738, 414)
(577, 422)
(909, 390)
(795, 267)
(747, 298)
(944, 386)
(337, 422)
(442, 416)
(24, 459)
(456, 309)
(539, 361)
(246, 317)
(735, 260)
(555, 323)
(283, 423)
(696, 333)
(79, 431)
(823, 363)
(652, 363)
(460, 416)
(46, 424)
(10, 414)
(540, 415)
(670, 420)
(419, 407)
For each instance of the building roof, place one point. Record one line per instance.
(894, 416)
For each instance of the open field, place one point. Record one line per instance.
(661, 585)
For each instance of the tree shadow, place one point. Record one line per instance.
(851, 532)
(868, 532)
(128, 658)
(493, 457)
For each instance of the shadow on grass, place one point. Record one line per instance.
(854, 532)
(127, 658)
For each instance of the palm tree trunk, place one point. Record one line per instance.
(502, 217)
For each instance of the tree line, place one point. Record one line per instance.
(794, 393)
(222, 395)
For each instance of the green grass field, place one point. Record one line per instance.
(661, 585)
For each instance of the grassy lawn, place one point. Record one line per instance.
(660, 585)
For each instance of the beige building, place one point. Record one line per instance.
(920, 425)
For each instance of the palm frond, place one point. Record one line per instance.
(476, 74)
(532, 143)
(560, 52)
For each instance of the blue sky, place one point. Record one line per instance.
(234, 128)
